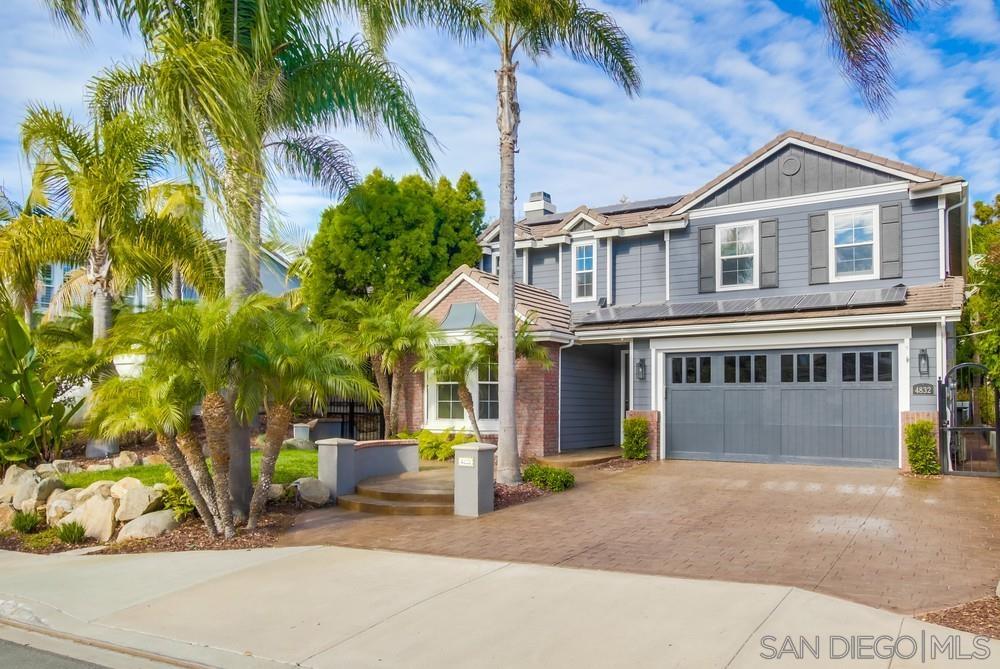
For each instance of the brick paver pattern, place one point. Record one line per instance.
(871, 536)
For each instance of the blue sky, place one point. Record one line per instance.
(721, 77)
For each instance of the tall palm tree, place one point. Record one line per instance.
(533, 29)
(455, 363)
(526, 347)
(296, 363)
(391, 337)
(863, 33)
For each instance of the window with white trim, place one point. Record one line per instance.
(584, 259)
(736, 253)
(449, 406)
(47, 286)
(488, 390)
(854, 244)
(496, 264)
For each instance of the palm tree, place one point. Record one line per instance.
(390, 336)
(533, 29)
(863, 33)
(455, 363)
(526, 347)
(297, 363)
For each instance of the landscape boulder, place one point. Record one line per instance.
(138, 501)
(299, 445)
(46, 469)
(98, 488)
(275, 492)
(148, 526)
(58, 507)
(313, 491)
(35, 491)
(6, 517)
(126, 459)
(154, 459)
(121, 486)
(66, 467)
(99, 467)
(14, 473)
(97, 515)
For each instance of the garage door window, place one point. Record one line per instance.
(866, 366)
(694, 369)
(803, 368)
(745, 368)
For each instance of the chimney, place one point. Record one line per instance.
(538, 205)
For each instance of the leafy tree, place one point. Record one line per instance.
(981, 316)
(394, 238)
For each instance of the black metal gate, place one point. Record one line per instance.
(968, 416)
(357, 421)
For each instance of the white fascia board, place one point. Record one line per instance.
(812, 147)
(778, 340)
(798, 200)
(573, 222)
(947, 189)
(872, 320)
(524, 244)
(668, 225)
(554, 241)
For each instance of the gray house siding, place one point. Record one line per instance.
(600, 277)
(587, 411)
(543, 269)
(923, 337)
(920, 249)
(641, 388)
(817, 172)
(273, 278)
(519, 267)
(639, 275)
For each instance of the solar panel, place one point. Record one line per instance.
(895, 295)
(871, 296)
(732, 307)
(825, 300)
(769, 304)
(686, 309)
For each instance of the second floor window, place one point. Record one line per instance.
(737, 255)
(852, 244)
(583, 271)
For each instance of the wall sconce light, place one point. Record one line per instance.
(640, 369)
(924, 363)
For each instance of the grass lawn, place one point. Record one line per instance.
(291, 465)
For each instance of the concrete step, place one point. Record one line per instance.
(390, 507)
(584, 457)
(404, 491)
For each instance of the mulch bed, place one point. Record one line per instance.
(12, 541)
(911, 475)
(509, 495)
(980, 616)
(191, 536)
(618, 465)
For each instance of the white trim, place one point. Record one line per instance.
(631, 376)
(666, 264)
(593, 245)
(812, 147)
(796, 324)
(659, 402)
(609, 270)
(579, 218)
(719, 288)
(524, 267)
(496, 264)
(946, 189)
(624, 390)
(942, 226)
(493, 235)
(464, 425)
(678, 224)
(525, 244)
(832, 245)
(561, 277)
(800, 200)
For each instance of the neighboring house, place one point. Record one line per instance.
(800, 307)
(273, 277)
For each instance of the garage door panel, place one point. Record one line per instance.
(750, 424)
(811, 424)
(697, 426)
(870, 423)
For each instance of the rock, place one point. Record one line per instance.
(6, 517)
(162, 487)
(57, 508)
(126, 459)
(137, 502)
(28, 506)
(35, 494)
(7, 491)
(98, 468)
(46, 469)
(66, 466)
(313, 491)
(97, 515)
(122, 486)
(27, 487)
(98, 488)
(275, 492)
(154, 459)
(14, 474)
(299, 444)
(148, 526)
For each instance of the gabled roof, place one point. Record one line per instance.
(549, 313)
(640, 213)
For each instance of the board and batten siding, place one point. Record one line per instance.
(920, 249)
(639, 270)
(817, 173)
(543, 268)
(588, 414)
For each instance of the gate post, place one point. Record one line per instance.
(944, 448)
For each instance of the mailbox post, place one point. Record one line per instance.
(474, 479)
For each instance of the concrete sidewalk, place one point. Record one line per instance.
(341, 607)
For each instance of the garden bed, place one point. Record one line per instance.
(510, 495)
(43, 542)
(980, 616)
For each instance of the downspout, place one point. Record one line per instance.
(559, 387)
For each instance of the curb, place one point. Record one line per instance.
(103, 645)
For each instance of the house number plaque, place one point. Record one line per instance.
(923, 389)
(466, 462)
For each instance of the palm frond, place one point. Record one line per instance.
(322, 161)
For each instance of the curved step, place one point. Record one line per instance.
(394, 507)
(406, 492)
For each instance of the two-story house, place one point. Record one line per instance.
(799, 307)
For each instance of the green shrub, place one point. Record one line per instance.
(635, 444)
(921, 445)
(26, 523)
(177, 499)
(71, 533)
(549, 478)
(438, 445)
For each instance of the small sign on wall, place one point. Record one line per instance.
(466, 462)
(923, 389)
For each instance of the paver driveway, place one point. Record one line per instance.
(871, 536)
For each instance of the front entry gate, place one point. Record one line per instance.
(969, 412)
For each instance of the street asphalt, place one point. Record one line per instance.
(17, 656)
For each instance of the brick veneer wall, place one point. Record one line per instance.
(910, 417)
(537, 406)
(652, 430)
